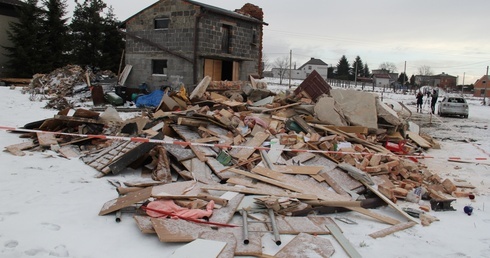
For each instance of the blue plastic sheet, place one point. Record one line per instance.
(151, 100)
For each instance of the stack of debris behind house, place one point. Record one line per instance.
(233, 153)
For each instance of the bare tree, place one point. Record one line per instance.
(425, 70)
(267, 63)
(282, 65)
(391, 67)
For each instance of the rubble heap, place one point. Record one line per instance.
(209, 161)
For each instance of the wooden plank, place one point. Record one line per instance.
(374, 215)
(306, 245)
(124, 75)
(343, 241)
(248, 190)
(202, 172)
(305, 186)
(200, 88)
(144, 224)
(244, 153)
(299, 170)
(177, 230)
(46, 139)
(185, 188)
(125, 201)
(267, 180)
(225, 214)
(392, 229)
(418, 140)
(296, 225)
(16, 149)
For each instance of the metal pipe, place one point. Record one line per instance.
(118, 216)
(245, 227)
(277, 237)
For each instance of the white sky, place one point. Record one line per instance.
(450, 36)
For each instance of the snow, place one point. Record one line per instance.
(50, 204)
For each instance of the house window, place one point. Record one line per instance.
(254, 37)
(159, 66)
(226, 40)
(309, 67)
(162, 23)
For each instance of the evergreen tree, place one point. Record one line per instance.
(24, 56)
(96, 40)
(360, 67)
(402, 78)
(412, 80)
(113, 43)
(56, 35)
(343, 68)
(367, 73)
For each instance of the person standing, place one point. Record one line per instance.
(420, 101)
(433, 102)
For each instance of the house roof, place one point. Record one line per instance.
(382, 75)
(207, 7)
(313, 61)
(11, 2)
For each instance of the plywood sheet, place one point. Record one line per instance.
(125, 201)
(177, 230)
(144, 224)
(306, 245)
(244, 153)
(228, 238)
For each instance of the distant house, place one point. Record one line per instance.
(303, 71)
(482, 87)
(191, 40)
(8, 14)
(444, 81)
(381, 80)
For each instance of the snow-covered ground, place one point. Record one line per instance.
(50, 204)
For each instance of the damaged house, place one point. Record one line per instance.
(189, 40)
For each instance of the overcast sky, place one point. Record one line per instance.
(450, 36)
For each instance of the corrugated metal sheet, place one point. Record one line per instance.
(314, 86)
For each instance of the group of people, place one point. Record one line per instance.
(420, 100)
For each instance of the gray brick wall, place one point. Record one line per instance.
(179, 38)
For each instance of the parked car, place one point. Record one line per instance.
(453, 106)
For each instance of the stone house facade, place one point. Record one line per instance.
(186, 40)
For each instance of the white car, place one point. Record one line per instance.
(453, 106)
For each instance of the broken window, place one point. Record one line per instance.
(226, 40)
(159, 66)
(254, 37)
(162, 23)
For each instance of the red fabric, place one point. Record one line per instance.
(169, 206)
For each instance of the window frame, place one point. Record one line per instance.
(160, 19)
(157, 64)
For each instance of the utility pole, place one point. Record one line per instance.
(485, 91)
(290, 61)
(404, 73)
(462, 86)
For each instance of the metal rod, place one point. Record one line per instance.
(277, 237)
(245, 227)
(118, 216)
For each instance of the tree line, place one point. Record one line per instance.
(43, 39)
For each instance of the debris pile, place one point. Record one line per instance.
(66, 82)
(263, 163)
